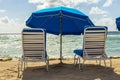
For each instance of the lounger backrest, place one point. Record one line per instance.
(34, 43)
(94, 40)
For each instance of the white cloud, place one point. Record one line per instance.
(51, 3)
(105, 21)
(35, 1)
(2, 10)
(10, 26)
(48, 1)
(4, 20)
(96, 10)
(93, 1)
(107, 3)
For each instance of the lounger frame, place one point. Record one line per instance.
(94, 45)
(34, 48)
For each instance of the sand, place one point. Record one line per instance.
(66, 71)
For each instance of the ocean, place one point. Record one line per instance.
(11, 45)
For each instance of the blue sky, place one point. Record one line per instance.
(14, 13)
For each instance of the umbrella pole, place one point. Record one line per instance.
(60, 37)
(60, 48)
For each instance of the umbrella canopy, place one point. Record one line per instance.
(73, 21)
(59, 21)
(118, 23)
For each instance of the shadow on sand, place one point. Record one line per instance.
(70, 72)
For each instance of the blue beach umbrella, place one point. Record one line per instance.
(118, 23)
(59, 21)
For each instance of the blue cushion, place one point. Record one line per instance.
(79, 52)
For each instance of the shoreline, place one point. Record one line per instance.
(17, 58)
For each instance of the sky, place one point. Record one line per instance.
(14, 13)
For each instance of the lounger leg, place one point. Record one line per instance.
(105, 63)
(83, 64)
(79, 62)
(97, 62)
(19, 64)
(24, 65)
(100, 62)
(110, 63)
(74, 59)
(47, 63)
(20, 67)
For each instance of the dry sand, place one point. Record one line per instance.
(66, 71)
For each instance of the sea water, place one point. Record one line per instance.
(11, 45)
